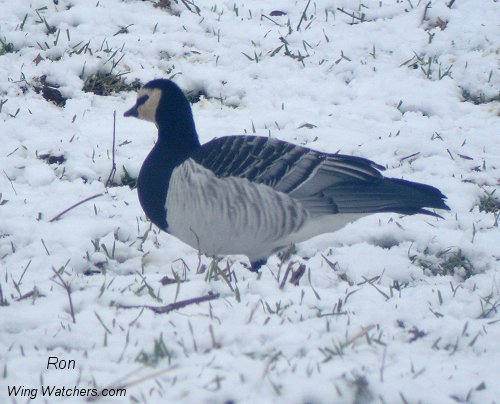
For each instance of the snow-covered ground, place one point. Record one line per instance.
(390, 309)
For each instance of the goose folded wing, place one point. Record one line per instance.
(304, 174)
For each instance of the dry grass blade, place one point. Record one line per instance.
(303, 15)
(113, 163)
(10, 181)
(427, 6)
(119, 384)
(190, 4)
(174, 306)
(341, 275)
(285, 277)
(362, 333)
(349, 14)
(68, 291)
(493, 308)
(57, 217)
(370, 282)
(297, 275)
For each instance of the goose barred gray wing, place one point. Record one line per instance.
(284, 166)
(323, 183)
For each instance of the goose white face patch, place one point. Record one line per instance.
(147, 103)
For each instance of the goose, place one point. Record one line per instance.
(254, 195)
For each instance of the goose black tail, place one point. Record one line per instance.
(387, 195)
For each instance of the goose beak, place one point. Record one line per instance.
(132, 112)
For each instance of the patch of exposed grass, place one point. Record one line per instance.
(194, 96)
(362, 391)
(164, 5)
(52, 159)
(416, 334)
(160, 351)
(125, 180)
(6, 47)
(215, 273)
(3, 201)
(49, 91)
(457, 263)
(3, 301)
(431, 67)
(488, 203)
(108, 83)
(128, 180)
(448, 262)
(478, 99)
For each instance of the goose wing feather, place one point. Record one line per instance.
(300, 172)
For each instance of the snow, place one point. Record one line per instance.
(410, 312)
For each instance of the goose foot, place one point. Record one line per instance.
(256, 265)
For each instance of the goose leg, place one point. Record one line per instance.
(255, 265)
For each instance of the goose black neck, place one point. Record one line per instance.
(171, 149)
(176, 129)
(176, 142)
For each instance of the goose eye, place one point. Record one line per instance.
(141, 100)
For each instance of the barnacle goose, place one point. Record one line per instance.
(255, 195)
